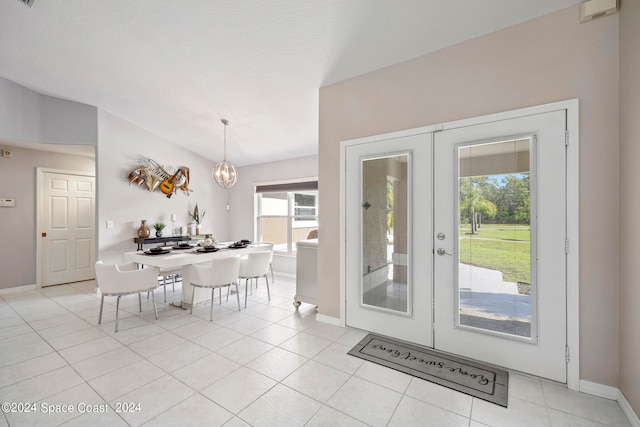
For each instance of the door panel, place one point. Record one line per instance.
(500, 289)
(388, 222)
(68, 218)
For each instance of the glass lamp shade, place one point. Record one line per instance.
(225, 174)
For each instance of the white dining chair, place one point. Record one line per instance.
(219, 273)
(254, 265)
(125, 279)
(265, 246)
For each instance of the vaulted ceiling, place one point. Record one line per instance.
(176, 68)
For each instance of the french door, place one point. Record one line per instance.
(482, 270)
(500, 287)
(389, 226)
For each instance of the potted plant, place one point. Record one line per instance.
(197, 217)
(159, 227)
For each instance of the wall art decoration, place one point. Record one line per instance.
(154, 176)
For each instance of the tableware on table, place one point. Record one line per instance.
(237, 245)
(157, 251)
(182, 246)
(207, 249)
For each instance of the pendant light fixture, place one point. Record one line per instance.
(224, 173)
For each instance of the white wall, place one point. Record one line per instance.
(119, 144)
(241, 197)
(26, 115)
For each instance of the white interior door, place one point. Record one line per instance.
(500, 289)
(388, 266)
(68, 228)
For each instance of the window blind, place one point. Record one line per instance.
(286, 187)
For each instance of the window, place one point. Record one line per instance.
(286, 213)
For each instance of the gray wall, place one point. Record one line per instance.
(630, 201)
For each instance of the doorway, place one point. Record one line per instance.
(485, 271)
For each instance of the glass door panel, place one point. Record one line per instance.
(494, 278)
(385, 210)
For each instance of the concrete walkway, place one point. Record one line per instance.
(485, 292)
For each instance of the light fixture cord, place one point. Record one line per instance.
(225, 122)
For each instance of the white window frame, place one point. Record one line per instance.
(291, 217)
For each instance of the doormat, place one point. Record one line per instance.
(476, 379)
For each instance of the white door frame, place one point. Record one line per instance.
(39, 172)
(573, 212)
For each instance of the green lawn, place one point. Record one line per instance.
(500, 233)
(503, 249)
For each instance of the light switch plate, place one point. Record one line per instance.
(7, 203)
(109, 224)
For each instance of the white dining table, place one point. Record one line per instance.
(184, 258)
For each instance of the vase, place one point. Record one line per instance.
(198, 229)
(158, 233)
(143, 230)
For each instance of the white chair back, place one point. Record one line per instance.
(262, 247)
(119, 280)
(221, 271)
(255, 264)
(125, 278)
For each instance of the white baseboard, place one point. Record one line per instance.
(18, 289)
(335, 321)
(612, 393)
(599, 390)
(628, 410)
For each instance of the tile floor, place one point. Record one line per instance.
(264, 366)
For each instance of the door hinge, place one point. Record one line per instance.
(566, 246)
(566, 354)
(566, 138)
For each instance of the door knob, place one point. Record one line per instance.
(441, 251)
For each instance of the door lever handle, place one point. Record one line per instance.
(441, 251)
